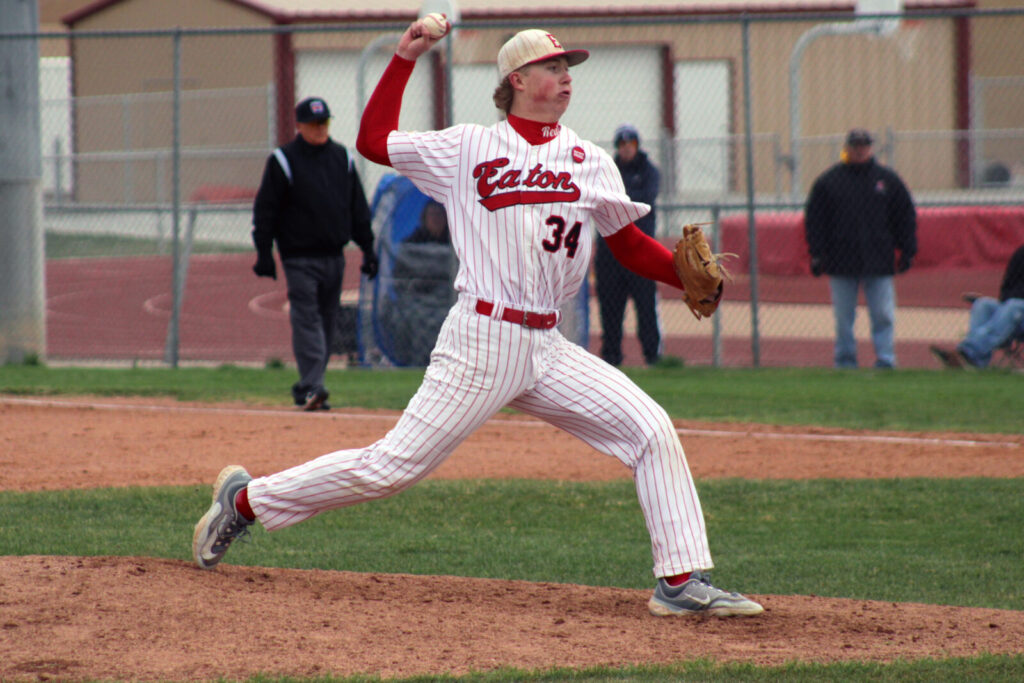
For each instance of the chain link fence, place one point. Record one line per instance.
(154, 142)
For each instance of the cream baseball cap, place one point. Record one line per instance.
(533, 45)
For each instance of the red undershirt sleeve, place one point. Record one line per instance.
(643, 255)
(381, 114)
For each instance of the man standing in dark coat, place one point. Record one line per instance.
(311, 203)
(616, 284)
(861, 228)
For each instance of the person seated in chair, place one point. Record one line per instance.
(993, 322)
(422, 277)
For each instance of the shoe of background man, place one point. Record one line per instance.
(949, 359)
(698, 597)
(221, 524)
(966, 361)
(325, 406)
(315, 399)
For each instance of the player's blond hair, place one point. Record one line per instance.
(503, 96)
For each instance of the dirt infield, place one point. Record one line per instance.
(133, 618)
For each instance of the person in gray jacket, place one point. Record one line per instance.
(861, 229)
(311, 204)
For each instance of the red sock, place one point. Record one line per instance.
(242, 504)
(678, 579)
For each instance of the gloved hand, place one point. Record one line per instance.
(816, 268)
(370, 265)
(265, 266)
(700, 272)
(903, 264)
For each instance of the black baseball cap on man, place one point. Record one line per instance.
(312, 109)
(626, 133)
(859, 137)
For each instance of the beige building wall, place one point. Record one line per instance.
(998, 70)
(845, 81)
(125, 100)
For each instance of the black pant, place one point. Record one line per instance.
(615, 286)
(314, 290)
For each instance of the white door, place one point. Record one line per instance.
(55, 123)
(702, 106)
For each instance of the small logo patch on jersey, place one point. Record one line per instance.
(578, 155)
(880, 187)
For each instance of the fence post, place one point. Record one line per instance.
(755, 335)
(716, 320)
(173, 327)
(22, 279)
(58, 176)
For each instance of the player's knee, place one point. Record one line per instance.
(660, 434)
(391, 472)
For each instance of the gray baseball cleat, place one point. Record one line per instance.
(697, 596)
(221, 524)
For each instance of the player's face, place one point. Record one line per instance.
(314, 132)
(627, 150)
(435, 219)
(545, 90)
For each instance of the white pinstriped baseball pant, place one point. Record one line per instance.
(480, 365)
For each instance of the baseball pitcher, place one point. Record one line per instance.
(523, 198)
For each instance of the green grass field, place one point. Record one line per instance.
(939, 541)
(912, 400)
(63, 245)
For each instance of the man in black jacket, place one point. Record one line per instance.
(311, 203)
(861, 227)
(615, 283)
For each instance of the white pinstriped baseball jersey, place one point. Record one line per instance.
(521, 215)
(521, 218)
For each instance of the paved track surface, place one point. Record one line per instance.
(120, 310)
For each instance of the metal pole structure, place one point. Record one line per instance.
(173, 327)
(449, 74)
(361, 97)
(755, 333)
(875, 26)
(716, 319)
(22, 264)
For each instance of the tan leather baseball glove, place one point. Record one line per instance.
(700, 271)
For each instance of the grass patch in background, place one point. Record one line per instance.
(912, 400)
(65, 245)
(943, 541)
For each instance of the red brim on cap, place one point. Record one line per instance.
(574, 57)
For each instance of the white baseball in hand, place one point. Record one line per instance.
(435, 24)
